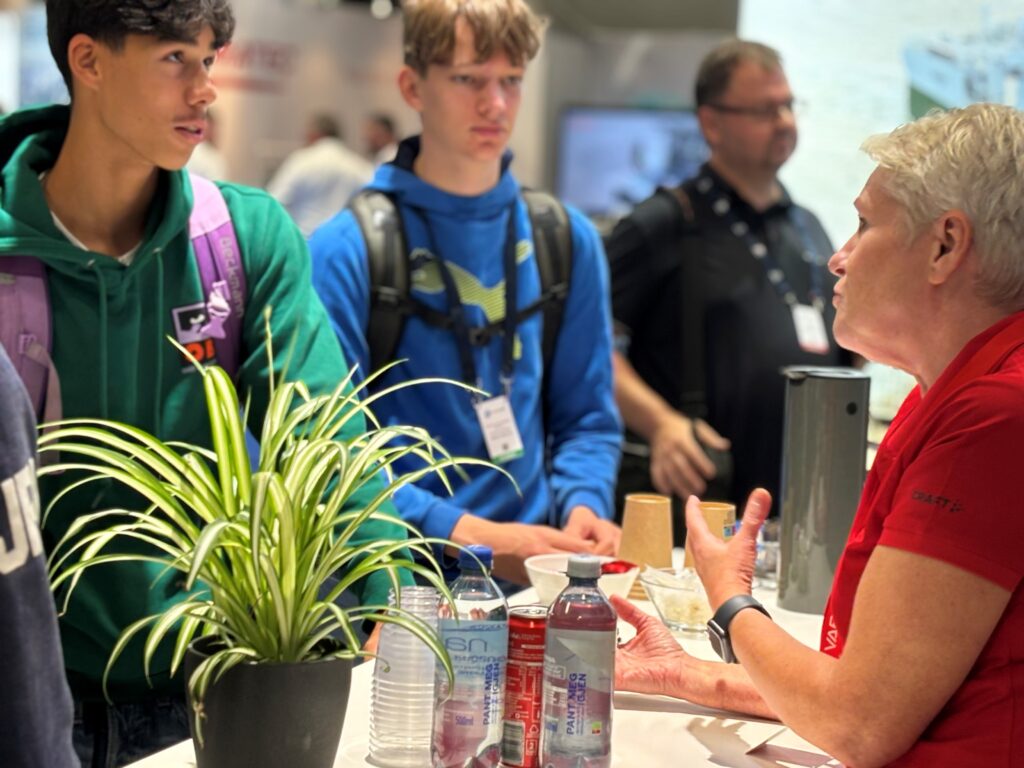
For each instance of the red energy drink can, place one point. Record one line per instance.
(524, 679)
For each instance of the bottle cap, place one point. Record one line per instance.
(483, 553)
(583, 567)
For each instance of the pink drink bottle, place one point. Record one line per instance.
(579, 672)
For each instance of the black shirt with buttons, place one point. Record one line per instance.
(691, 282)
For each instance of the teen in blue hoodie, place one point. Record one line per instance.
(464, 68)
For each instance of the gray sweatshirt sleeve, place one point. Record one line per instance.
(35, 705)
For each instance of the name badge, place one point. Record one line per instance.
(810, 329)
(498, 424)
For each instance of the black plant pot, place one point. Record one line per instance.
(271, 715)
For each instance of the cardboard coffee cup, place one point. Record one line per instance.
(646, 534)
(720, 517)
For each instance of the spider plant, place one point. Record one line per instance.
(258, 548)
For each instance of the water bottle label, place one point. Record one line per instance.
(477, 650)
(578, 672)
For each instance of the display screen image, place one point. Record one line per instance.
(611, 158)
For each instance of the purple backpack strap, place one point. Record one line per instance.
(220, 269)
(25, 331)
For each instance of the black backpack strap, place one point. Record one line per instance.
(552, 247)
(668, 224)
(387, 255)
(388, 261)
(664, 218)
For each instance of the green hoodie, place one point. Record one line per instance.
(110, 324)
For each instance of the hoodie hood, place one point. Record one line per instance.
(30, 141)
(398, 179)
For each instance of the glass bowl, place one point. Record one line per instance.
(678, 597)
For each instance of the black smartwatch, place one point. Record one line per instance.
(718, 627)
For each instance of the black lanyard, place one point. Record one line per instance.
(464, 334)
(722, 206)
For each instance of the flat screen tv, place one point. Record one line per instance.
(610, 158)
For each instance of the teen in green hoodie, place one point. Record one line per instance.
(96, 192)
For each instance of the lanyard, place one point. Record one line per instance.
(464, 334)
(721, 205)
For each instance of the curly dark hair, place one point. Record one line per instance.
(110, 21)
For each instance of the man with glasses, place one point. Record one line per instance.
(715, 285)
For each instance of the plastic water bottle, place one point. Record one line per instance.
(579, 672)
(467, 724)
(402, 692)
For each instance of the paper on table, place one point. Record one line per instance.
(667, 731)
(181, 755)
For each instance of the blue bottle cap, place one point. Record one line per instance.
(483, 553)
(583, 567)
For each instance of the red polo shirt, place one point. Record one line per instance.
(947, 483)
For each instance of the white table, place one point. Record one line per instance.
(648, 731)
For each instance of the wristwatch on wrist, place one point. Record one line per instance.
(718, 627)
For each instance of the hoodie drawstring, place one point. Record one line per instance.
(104, 329)
(158, 349)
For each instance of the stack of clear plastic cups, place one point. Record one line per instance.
(402, 694)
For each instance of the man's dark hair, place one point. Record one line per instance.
(110, 21)
(323, 124)
(717, 67)
(384, 121)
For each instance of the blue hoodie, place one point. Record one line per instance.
(582, 422)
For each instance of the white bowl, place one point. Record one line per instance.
(547, 575)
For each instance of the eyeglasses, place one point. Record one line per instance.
(765, 112)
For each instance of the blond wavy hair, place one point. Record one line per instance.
(428, 33)
(971, 159)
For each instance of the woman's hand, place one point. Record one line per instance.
(726, 568)
(652, 661)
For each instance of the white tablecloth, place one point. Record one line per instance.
(648, 731)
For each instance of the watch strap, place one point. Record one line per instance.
(718, 626)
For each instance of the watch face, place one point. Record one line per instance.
(717, 642)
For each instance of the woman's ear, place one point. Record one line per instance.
(953, 235)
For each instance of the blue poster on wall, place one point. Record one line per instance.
(953, 69)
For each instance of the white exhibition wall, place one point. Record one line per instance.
(854, 65)
(288, 61)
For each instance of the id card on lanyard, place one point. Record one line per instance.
(810, 329)
(497, 420)
(498, 424)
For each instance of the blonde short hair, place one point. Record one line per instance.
(428, 35)
(971, 159)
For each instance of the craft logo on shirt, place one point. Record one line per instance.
(190, 322)
(942, 502)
